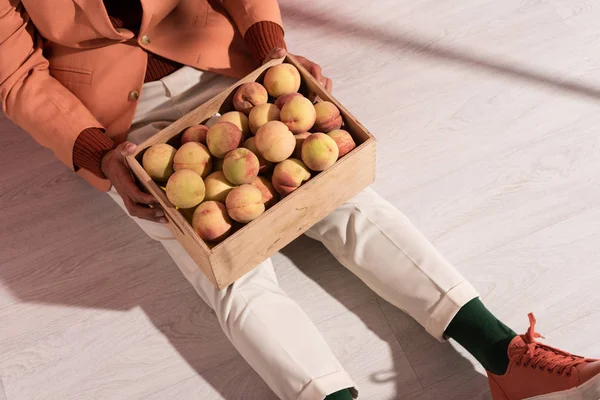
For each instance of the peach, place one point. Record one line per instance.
(281, 100)
(238, 119)
(328, 117)
(299, 140)
(185, 189)
(249, 95)
(319, 152)
(223, 137)
(217, 187)
(263, 165)
(194, 156)
(344, 141)
(289, 175)
(281, 79)
(196, 133)
(275, 142)
(158, 161)
(262, 114)
(269, 194)
(244, 203)
(211, 222)
(240, 166)
(298, 114)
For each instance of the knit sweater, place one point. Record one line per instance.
(92, 144)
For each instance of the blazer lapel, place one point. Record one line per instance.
(155, 11)
(98, 17)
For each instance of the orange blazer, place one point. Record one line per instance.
(65, 68)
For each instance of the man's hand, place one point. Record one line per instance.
(314, 69)
(138, 203)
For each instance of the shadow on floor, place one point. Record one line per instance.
(303, 17)
(64, 243)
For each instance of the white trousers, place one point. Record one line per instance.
(367, 235)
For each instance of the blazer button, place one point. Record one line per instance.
(146, 39)
(134, 95)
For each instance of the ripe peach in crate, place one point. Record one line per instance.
(223, 137)
(328, 117)
(244, 203)
(262, 114)
(158, 161)
(240, 166)
(298, 114)
(344, 141)
(217, 187)
(275, 142)
(211, 222)
(196, 133)
(281, 100)
(249, 95)
(299, 140)
(269, 194)
(194, 156)
(263, 165)
(319, 152)
(185, 189)
(238, 119)
(289, 175)
(281, 79)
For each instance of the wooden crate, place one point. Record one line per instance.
(286, 220)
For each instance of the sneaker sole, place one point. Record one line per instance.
(590, 390)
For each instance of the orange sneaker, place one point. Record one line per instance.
(540, 372)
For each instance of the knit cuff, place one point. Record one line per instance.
(90, 146)
(262, 37)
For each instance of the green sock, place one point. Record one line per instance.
(477, 330)
(341, 395)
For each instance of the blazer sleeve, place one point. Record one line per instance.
(30, 96)
(246, 13)
(259, 22)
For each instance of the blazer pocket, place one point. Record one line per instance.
(70, 74)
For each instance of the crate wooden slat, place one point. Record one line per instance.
(288, 219)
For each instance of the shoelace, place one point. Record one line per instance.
(544, 357)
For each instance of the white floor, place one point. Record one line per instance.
(488, 119)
